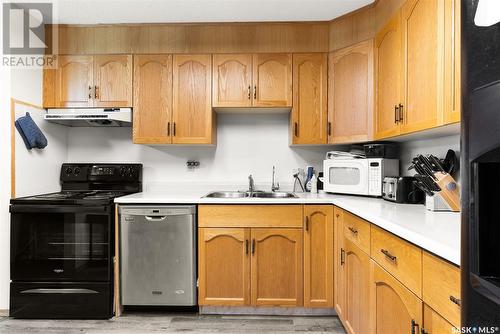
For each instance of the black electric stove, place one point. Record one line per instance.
(62, 244)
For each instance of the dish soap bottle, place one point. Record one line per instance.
(314, 184)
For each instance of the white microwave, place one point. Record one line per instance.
(358, 176)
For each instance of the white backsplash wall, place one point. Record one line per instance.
(246, 144)
(436, 146)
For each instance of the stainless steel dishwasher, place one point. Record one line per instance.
(158, 255)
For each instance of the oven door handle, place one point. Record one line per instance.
(62, 290)
(15, 208)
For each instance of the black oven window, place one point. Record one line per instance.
(48, 246)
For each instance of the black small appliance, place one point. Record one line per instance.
(381, 150)
(62, 244)
(402, 189)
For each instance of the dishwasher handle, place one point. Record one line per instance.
(155, 218)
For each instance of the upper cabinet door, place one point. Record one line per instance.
(388, 78)
(152, 99)
(192, 107)
(232, 80)
(422, 27)
(318, 256)
(452, 62)
(113, 80)
(350, 94)
(276, 267)
(309, 113)
(74, 82)
(272, 80)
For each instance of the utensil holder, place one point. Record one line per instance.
(448, 199)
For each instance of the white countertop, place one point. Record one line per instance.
(436, 232)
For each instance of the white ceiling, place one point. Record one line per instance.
(166, 11)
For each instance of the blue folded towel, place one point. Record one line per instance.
(30, 132)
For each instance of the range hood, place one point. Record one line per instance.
(87, 117)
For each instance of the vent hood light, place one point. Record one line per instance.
(91, 117)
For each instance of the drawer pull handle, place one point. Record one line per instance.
(388, 255)
(455, 300)
(353, 230)
(246, 246)
(253, 246)
(342, 256)
(307, 223)
(249, 92)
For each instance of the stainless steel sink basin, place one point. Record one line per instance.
(257, 194)
(227, 194)
(276, 194)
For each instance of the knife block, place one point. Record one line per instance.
(448, 199)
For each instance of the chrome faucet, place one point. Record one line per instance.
(274, 185)
(251, 184)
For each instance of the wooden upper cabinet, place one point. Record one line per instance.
(192, 108)
(350, 94)
(224, 266)
(272, 80)
(452, 61)
(74, 82)
(232, 80)
(318, 256)
(152, 99)
(113, 80)
(422, 28)
(357, 289)
(309, 113)
(276, 267)
(388, 72)
(396, 309)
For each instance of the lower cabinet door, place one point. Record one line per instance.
(357, 286)
(276, 267)
(224, 266)
(396, 309)
(339, 296)
(318, 256)
(435, 324)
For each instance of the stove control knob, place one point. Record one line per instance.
(77, 171)
(69, 171)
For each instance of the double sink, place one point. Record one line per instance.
(248, 194)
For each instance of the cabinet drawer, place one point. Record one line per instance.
(445, 296)
(250, 216)
(358, 231)
(398, 257)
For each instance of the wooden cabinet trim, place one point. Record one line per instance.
(250, 215)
